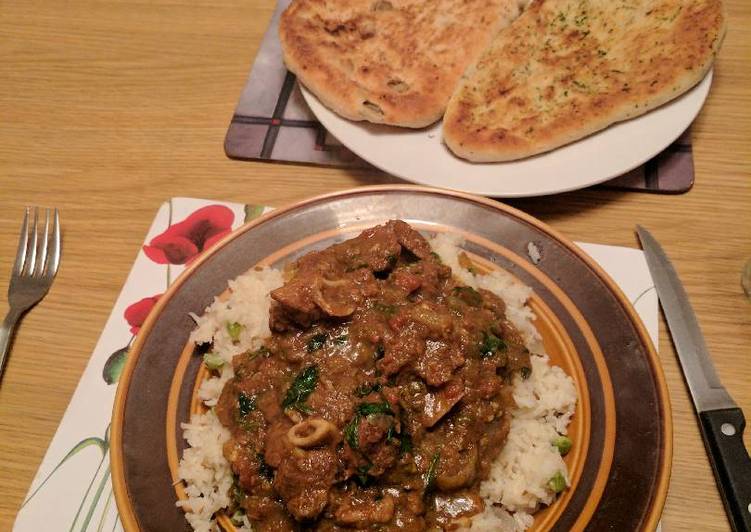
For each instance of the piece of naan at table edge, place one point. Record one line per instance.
(388, 61)
(568, 68)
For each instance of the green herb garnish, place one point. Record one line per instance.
(390, 433)
(316, 342)
(351, 432)
(236, 492)
(432, 471)
(491, 344)
(261, 351)
(379, 351)
(234, 329)
(469, 295)
(362, 478)
(264, 469)
(245, 404)
(341, 340)
(369, 409)
(300, 389)
(366, 389)
(405, 443)
(237, 517)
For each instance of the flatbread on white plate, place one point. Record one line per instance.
(568, 68)
(388, 61)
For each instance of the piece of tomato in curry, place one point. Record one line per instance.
(381, 398)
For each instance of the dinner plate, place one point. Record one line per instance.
(419, 155)
(620, 462)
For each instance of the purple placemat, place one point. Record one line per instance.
(272, 122)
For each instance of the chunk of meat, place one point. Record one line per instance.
(297, 302)
(279, 322)
(304, 479)
(438, 404)
(493, 303)
(379, 248)
(268, 404)
(373, 429)
(227, 404)
(277, 445)
(364, 512)
(401, 350)
(245, 466)
(407, 281)
(433, 318)
(323, 284)
(437, 363)
(410, 239)
(382, 457)
(268, 514)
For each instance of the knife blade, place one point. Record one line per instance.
(720, 420)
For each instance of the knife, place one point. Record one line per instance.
(720, 420)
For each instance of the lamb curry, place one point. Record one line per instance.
(381, 398)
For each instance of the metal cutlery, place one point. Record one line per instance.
(37, 260)
(720, 420)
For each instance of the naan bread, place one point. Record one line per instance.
(568, 68)
(388, 61)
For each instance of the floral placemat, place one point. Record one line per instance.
(72, 487)
(272, 122)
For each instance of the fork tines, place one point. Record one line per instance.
(38, 254)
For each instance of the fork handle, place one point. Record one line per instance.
(6, 335)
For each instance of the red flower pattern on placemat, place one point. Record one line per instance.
(137, 313)
(184, 241)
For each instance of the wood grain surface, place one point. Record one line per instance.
(109, 108)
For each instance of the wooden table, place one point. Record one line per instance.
(109, 108)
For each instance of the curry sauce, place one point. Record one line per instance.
(381, 398)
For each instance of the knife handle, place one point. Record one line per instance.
(723, 436)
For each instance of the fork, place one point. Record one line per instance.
(37, 259)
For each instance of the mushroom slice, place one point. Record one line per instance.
(439, 404)
(462, 474)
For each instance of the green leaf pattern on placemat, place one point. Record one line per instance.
(103, 444)
(114, 365)
(252, 212)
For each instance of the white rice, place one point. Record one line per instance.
(518, 482)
